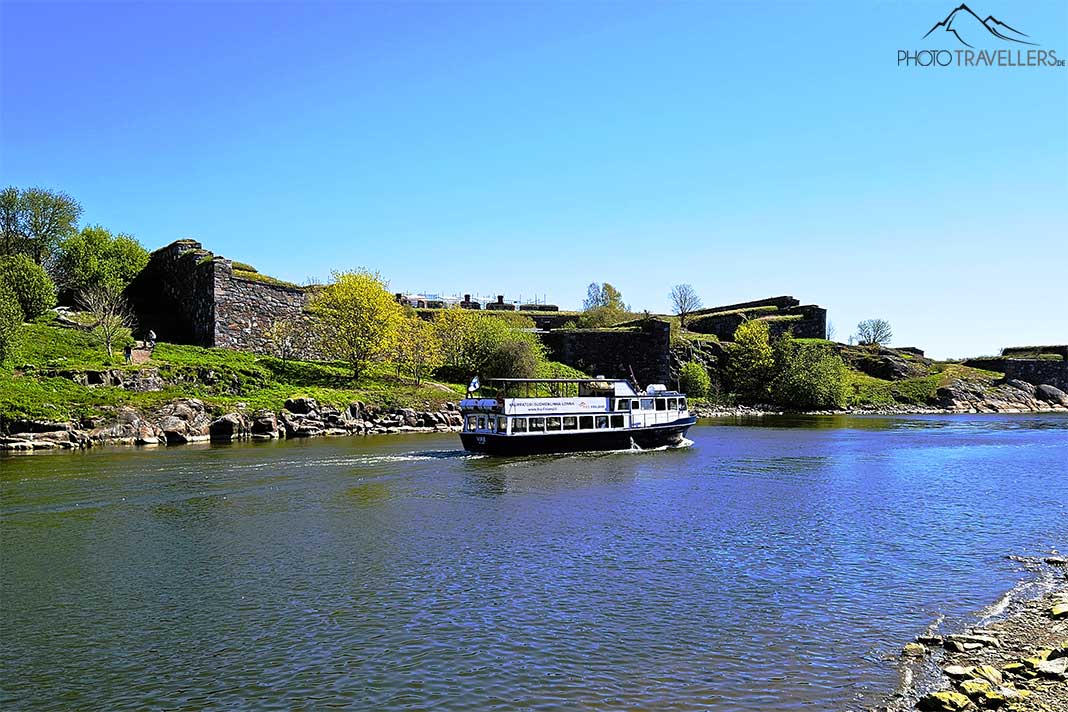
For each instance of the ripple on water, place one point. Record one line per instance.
(773, 567)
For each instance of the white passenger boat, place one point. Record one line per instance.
(543, 415)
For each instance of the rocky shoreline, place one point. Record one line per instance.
(1010, 396)
(1017, 664)
(188, 420)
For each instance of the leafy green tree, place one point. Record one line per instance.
(358, 319)
(111, 317)
(93, 257)
(694, 380)
(513, 358)
(751, 366)
(419, 350)
(12, 222)
(34, 221)
(808, 377)
(603, 306)
(479, 343)
(10, 321)
(32, 286)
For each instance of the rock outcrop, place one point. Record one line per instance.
(188, 420)
(1010, 396)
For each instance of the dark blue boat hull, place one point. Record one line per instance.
(668, 434)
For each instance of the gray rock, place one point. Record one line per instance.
(1051, 394)
(229, 427)
(264, 424)
(301, 406)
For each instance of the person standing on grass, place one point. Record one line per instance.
(128, 352)
(151, 343)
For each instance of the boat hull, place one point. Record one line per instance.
(669, 434)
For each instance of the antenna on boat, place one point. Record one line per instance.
(633, 379)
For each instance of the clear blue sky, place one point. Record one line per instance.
(751, 149)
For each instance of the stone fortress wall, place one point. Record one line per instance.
(782, 314)
(188, 295)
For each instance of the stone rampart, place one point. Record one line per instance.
(187, 295)
(614, 353)
(1038, 372)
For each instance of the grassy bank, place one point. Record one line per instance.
(862, 389)
(41, 385)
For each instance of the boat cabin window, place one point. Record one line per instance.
(570, 422)
(481, 422)
(635, 405)
(673, 403)
(617, 421)
(602, 421)
(472, 421)
(623, 404)
(661, 404)
(502, 425)
(682, 404)
(537, 425)
(647, 403)
(552, 423)
(519, 425)
(586, 422)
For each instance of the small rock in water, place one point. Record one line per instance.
(929, 639)
(1056, 561)
(914, 650)
(977, 640)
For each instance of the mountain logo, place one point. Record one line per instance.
(969, 30)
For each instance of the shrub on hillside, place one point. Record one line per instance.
(515, 358)
(10, 321)
(694, 380)
(751, 367)
(34, 289)
(473, 342)
(807, 377)
(358, 319)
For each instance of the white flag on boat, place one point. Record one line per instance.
(474, 385)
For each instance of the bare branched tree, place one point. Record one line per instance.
(110, 314)
(685, 300)
(872, 332)
(288, 338)
(832, 331)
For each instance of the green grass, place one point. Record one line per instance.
(814, 342)
(219, 377)
(862, 389)
(262, 278)
(781, 317)
(698, 336)
(744, 310)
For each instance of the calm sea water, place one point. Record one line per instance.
(772, 566)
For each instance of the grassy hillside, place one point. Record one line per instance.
(40, 384)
